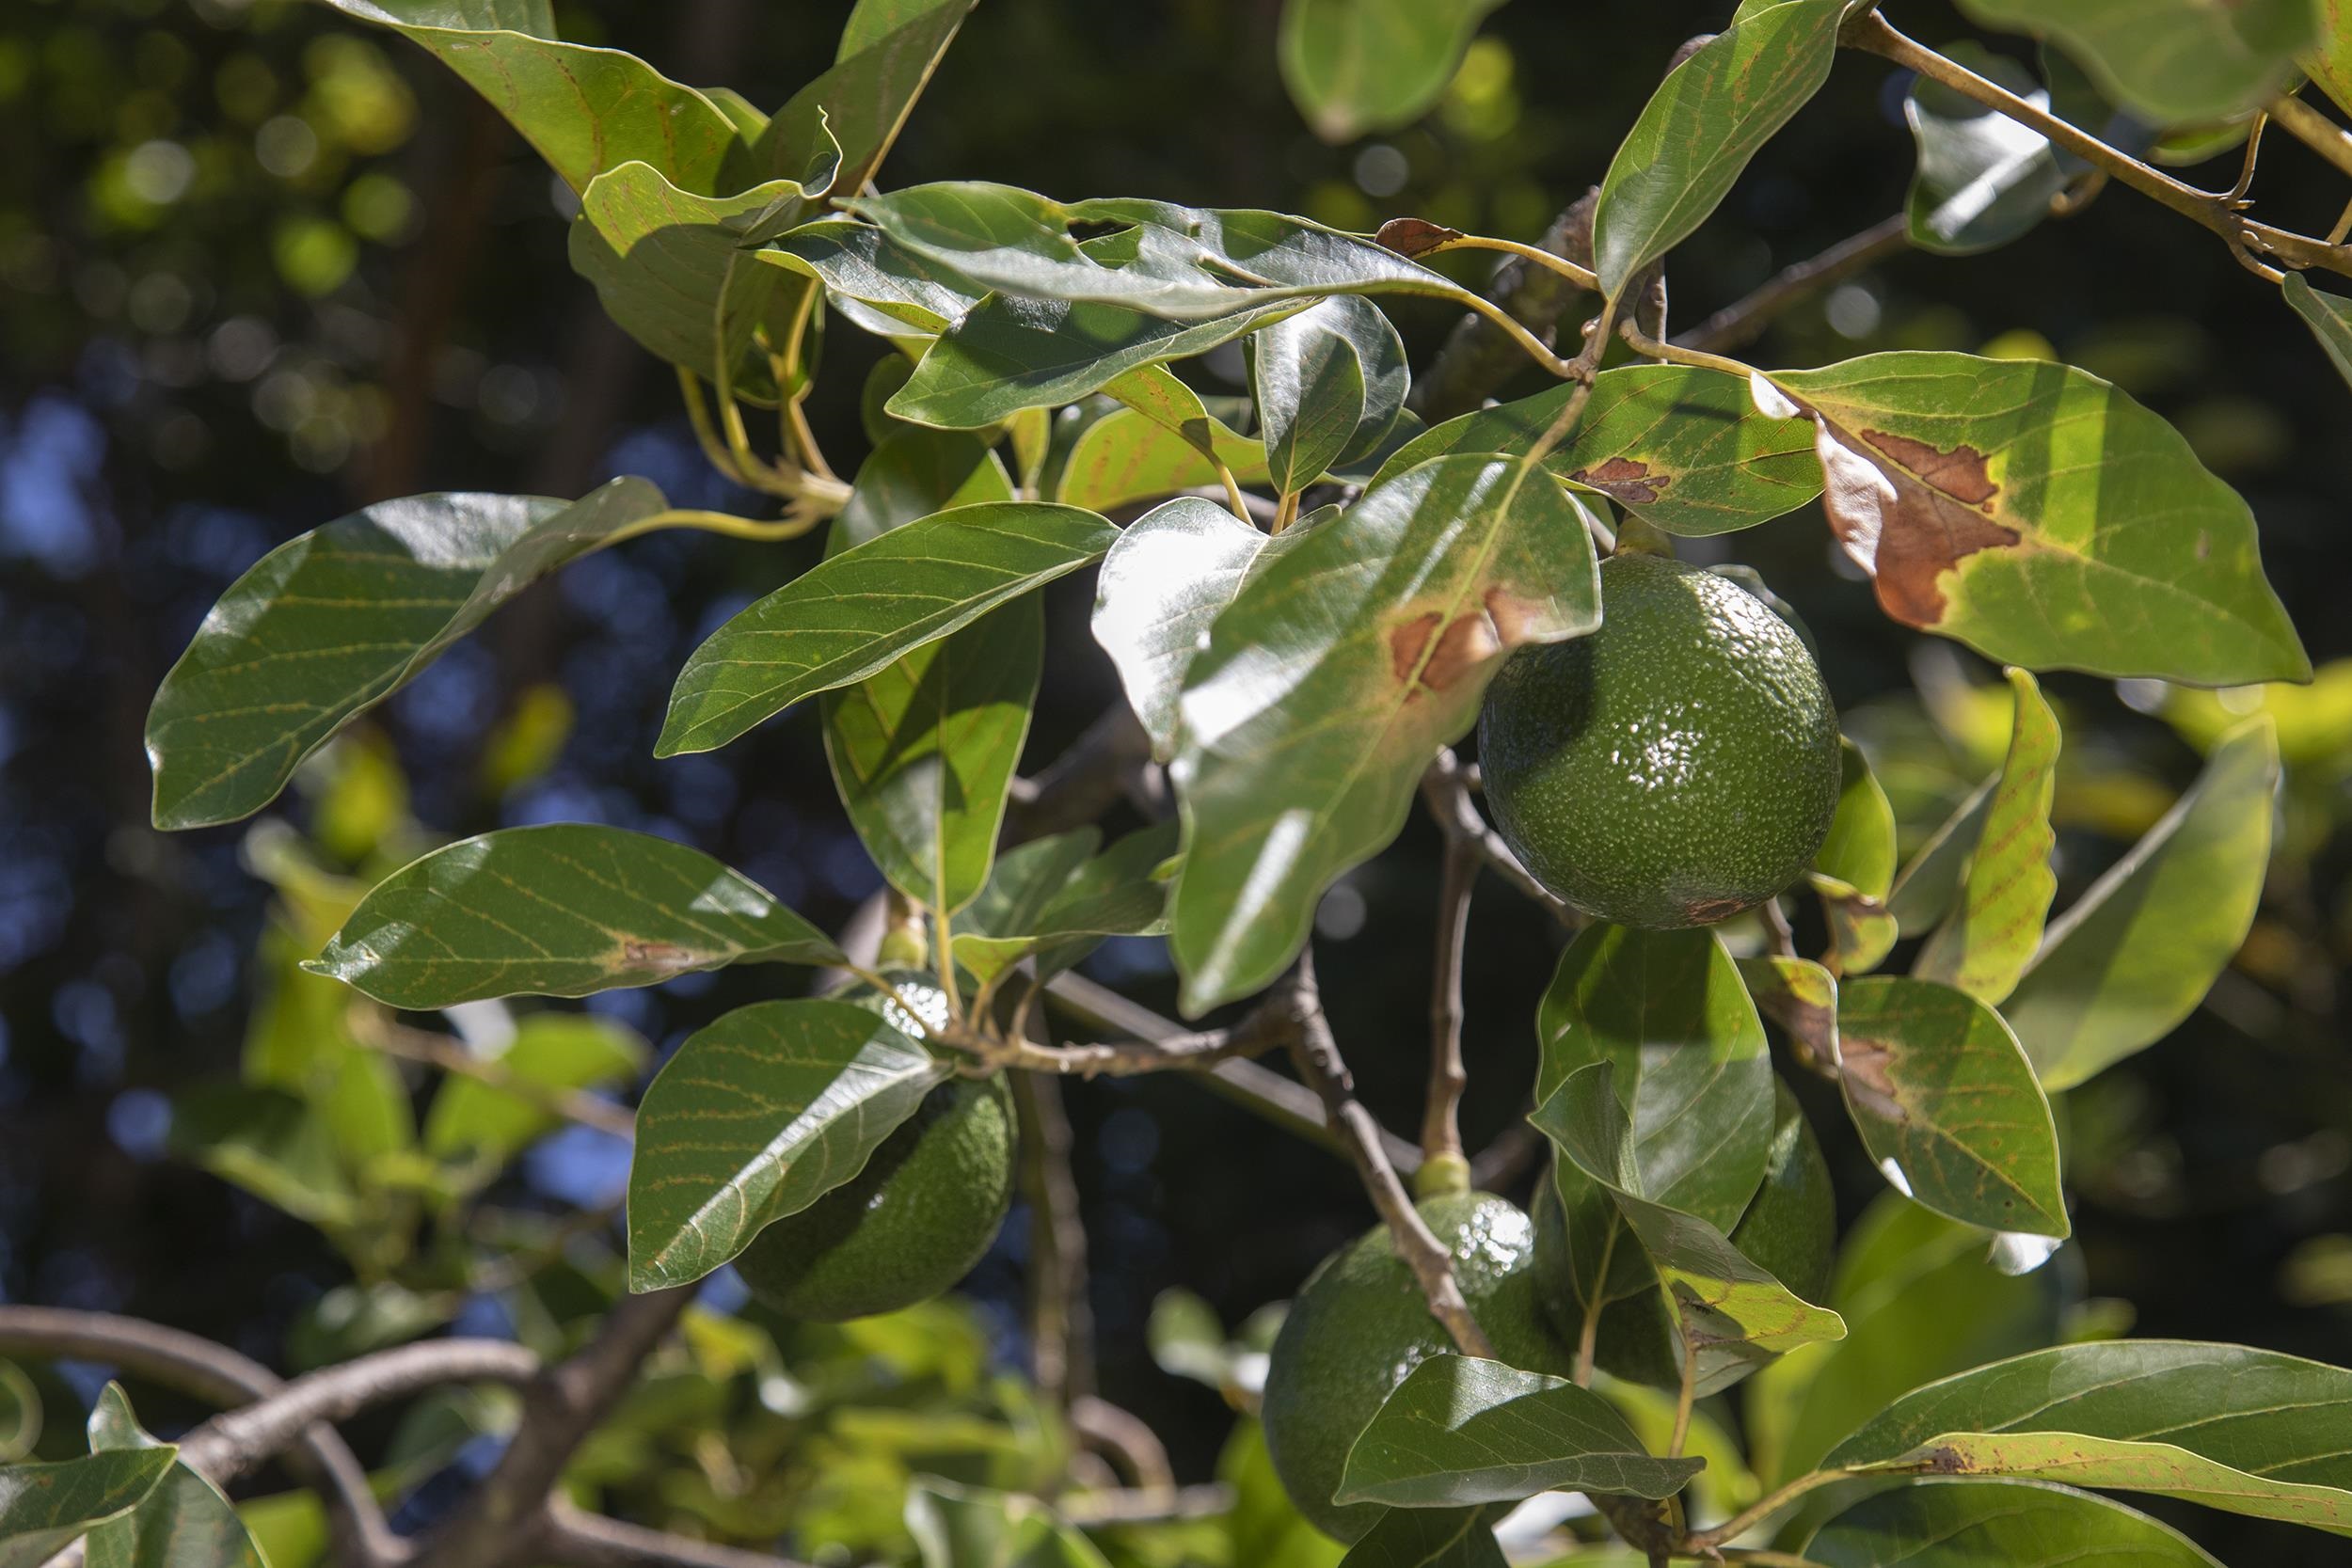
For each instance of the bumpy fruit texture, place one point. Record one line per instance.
(920, 1214)
(1360, 1324)
(1790, 1229)
(1672, 769)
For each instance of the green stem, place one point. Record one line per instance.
(1764, 1508)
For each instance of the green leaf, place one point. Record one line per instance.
(329, 624)
(1263, 1527)
(1929, 885)
(1460, 1431)
(470, 1117)
(923, 753)
(584, 110)
(1185, 263)
(1329, 382)
(300, 1039)
(1686, 450)
(888, 52)
(1126, 457)
(2170, 62)
(2328, 316)
(2039, 515)
(1357, 67)
(1164, 583)
(1699, 130)
(2329, 62)
(1799, 995)
(1942, 1093)
(183, 1523)
(1007, 354)
(755, 1118)
(855, 613)
(674, 271)
(1921, 1300)
(957, 1527)
(1987, 942)
(1983, 179)
(1336, 672)
(1861, 932)
(1429, 1538)
(1860, 849)
(884, 288)
(2136, 953)
(2249, 1431)
(1944, 1524)
(1669, 1010)
(275, 1145)
(558, 910)
(44, 1508)
(1730, 1316)
(1055, 899)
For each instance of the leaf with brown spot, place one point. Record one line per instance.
(1338, 670)
(1861, 932)
(1686, 449)
(1416, 236)
(1799, 995)
(1942, 1093)
(2038, 514)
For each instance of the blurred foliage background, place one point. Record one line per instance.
(258, 266)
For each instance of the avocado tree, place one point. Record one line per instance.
(1310, 596)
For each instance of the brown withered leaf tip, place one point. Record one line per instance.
(1908, 511)
(1469, 641)
(1625, 479)
(1416, 236)
(1863, 1064)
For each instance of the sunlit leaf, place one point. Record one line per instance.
(1986, 944)
(43, 1508)
(1983, 179)
(887, 54)
(755, 1118)
(885, 289)
(1861, 932)
(329, 623)
(1329, 382)
(1460, 1431)
(1799, 995)
(957, 1527)
(1055, 899)
(2328, 316)
(471, 1116)
(1940, 1089)
(1330, 680)
(1860, 849)
(183, 1523)
(1356, 67)
(855, 613)
(2170, 62)
(2136, 954)
(558, 910)
(1946, 1524)
(1930, 881)
(2038, 514)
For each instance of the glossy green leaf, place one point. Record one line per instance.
(2170, 62)
(1946, 1524)
(1429, 1538)
(1055, 898)
(558, 910)
(1460, 1430)
(1985, 945)
(44, 1508)
(584, 110)
(2134, 955)
(472, 1116)
(1929, 885)
(1684, 449)
(329, 624)
(1172, 572)
(1861, 932)
(1187, 263)
(2038, 514)
(1329, 382)
(755, 1118)
(1860, 849)
(1357, 67)
(674, 271)
(1982, 180)
(1730, 1315)
(1126, 457)
(2328, 316)
(923, 751)
(1942, 1093)
(857, 612)
(2249, 1431)
(956, 1526)
(884, 288)
(887, 55)
(1669, 1010)
(183, 1523)
(1336, 672)
(1697, 133)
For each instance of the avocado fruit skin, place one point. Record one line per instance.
(1360, 1323)
(1675, 766)
(917, 1218)
(1789, 1229)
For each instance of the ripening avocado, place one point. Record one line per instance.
(1674, 767)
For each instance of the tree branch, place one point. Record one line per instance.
(379, 1032)
(1275, 1021)
(581, 1540)
(1441, 1121)
(1741, 322)
(1083, 782)
(1445, 789)
(1480, 357)
(215, 1373)
(1062, 1325)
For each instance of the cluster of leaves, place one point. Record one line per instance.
(1297, 675)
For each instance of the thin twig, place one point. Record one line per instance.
(2315, 130)
(1742, 320)
(1479, 357)
(1123, 1436)
(1441, 1119)
(1445, 789)
(569, 1536)
(1274, 1022)
(378, 1032)
(1763, 1508)
(1146, 1507)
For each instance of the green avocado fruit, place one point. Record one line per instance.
(1360, 1323)
(1789, 1229)
(916, 1219)
(1674, 767)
